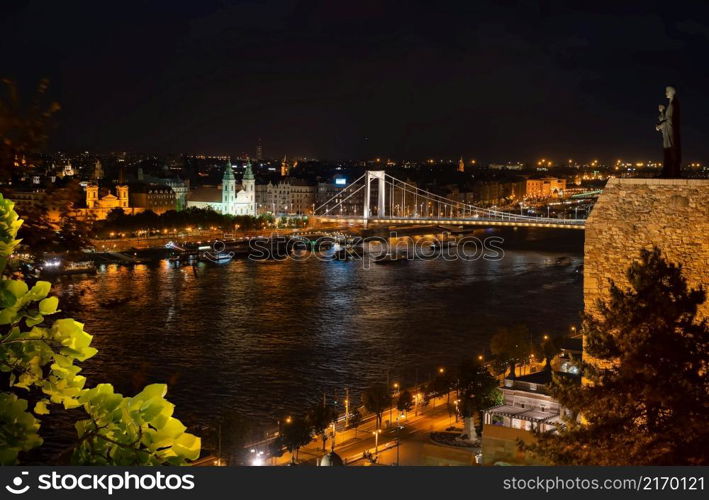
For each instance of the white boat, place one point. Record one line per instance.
(218, 257)
(84, 267)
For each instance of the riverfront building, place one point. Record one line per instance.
(548, 187)
(526, 407)
(286, 197)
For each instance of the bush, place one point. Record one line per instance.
(38, 368)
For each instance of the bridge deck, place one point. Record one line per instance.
(477, 221)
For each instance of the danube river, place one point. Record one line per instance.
(263, 339)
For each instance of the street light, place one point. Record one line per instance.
(391, 406)
(257, 459)
(376, 440)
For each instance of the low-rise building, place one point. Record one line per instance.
(154, 197)
(331, 193)
(180, 187)
(569, 358)
(507, 166)
(526, 407)
(286, 197)
(548, 187)
(494, 192)
(27, 200)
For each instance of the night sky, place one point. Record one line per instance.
(495, 80)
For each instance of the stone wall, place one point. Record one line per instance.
(672, 214)
(499, 444)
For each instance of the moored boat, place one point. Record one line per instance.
(57, 268)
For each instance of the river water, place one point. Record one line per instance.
(263, 339)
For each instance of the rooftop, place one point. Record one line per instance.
(210, 194)
(531, 414)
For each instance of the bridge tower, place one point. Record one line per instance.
(379, 176)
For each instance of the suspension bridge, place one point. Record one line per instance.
(377, 197)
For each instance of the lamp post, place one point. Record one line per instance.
(347, 408)
(441, 371)
(391, 406)
(376, 441)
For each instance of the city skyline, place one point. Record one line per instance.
(315, 233)
(318, 80)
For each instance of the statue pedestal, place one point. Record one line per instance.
(630, 214)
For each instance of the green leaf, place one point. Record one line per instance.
(18, 428)
(34, 319)
(40, 290)
(8, 316)
(43, 360)
(41, 407)
(18, 288)
(48, 305)
(187, 446)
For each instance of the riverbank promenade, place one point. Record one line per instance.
(407, 442)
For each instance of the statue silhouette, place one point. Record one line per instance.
(669, 126)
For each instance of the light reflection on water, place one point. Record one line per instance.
(263, 338)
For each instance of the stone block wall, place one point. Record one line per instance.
(630, 214)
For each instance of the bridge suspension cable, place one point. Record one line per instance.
(422, 205)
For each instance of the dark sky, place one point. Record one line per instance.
(496, 80)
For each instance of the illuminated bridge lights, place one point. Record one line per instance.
(353, 205)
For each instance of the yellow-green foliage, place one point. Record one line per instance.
(38, 359)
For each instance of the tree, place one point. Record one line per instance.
(376, 399)
(439, 386)
(355, 420)
(646, 398)
(50, 225)
(405, 402)
(38, 372)
(115, 215)
(477, 391)
(231, 436)
(320, 417)
(118, 222)
(511, 345)
(295, 434)
(549, 347)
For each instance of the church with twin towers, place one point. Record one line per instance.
(227, 199)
